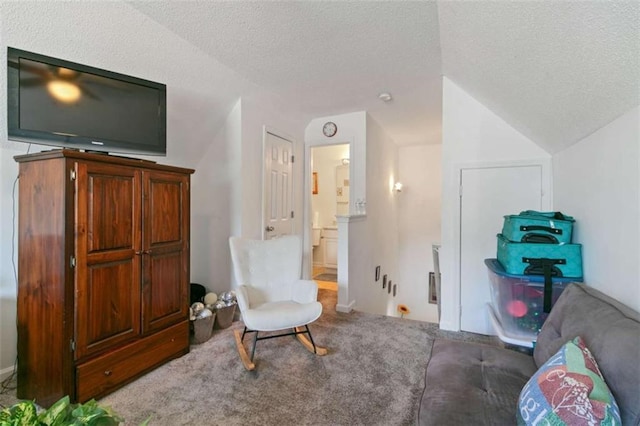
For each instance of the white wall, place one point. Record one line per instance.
(597, 182)
(471, 134)
(227, 198)
(207, 128)
(260, 110)
(419, 206)
(372, 240)
(91, 33)
(216, 205)
(352, 130)
(8, 282)
(380, 239)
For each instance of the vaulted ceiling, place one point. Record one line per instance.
(555, 70)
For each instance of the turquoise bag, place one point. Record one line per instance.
(548, 260)
(520, 258)
(531, 226)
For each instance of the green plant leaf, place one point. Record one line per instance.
(62, 413)
(21, 414)
(57, 414)
(92, 414)
(5, 417)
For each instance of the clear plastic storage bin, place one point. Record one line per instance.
(517, 303)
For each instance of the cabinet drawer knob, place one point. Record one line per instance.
(107, 373)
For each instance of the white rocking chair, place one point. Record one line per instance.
(271, 296)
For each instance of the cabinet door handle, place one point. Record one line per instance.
(269, 228)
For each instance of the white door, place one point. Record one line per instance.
(278, 188)
(487, 194)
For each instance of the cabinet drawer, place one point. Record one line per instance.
(330, 233)
(112, 370)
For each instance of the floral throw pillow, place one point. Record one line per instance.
(568, 389)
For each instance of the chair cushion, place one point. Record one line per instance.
(568, 390)
(273, 316)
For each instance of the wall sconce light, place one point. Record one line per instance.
(398, 186)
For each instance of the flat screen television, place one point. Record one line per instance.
(56, 102)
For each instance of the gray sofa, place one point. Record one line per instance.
(476, 384)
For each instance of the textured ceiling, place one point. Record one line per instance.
(326, 58)
(556, 71)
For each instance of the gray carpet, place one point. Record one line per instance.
(372, 375)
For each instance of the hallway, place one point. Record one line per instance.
(325, 285)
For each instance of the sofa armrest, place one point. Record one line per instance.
(610, 330)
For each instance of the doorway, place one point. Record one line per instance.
(330, 185)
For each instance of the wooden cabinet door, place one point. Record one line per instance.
(108, 256)
(165, 273)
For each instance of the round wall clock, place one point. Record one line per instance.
(329, 129)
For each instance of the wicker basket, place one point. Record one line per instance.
(202, 329)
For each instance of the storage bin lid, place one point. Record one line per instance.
(496, 267)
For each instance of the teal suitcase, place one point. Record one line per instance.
(547, 260)
(531, 226)
(525, 258)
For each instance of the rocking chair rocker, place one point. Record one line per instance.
(271, 296)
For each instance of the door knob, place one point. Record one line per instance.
(269, 228)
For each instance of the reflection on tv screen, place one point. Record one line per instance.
(69, 102)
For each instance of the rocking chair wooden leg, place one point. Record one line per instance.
(311, 347)
(248, 364)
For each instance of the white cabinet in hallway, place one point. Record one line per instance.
(330, 237)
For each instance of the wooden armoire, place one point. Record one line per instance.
(103, 272)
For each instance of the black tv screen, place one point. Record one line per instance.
(65, 104)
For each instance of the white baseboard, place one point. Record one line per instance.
(447, 325)
(345, 308)
(6, 372)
